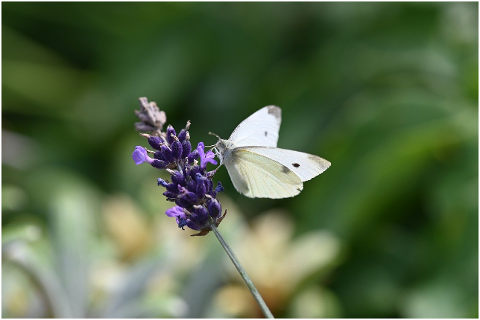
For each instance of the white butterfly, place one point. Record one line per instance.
(258, 168)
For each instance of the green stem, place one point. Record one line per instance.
(243, 273)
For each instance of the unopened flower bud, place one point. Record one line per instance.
(155, 142)
(170, 134)
(177, 149)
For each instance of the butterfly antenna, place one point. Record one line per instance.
(216, 135)
(213, 145)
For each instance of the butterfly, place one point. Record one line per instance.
(257, 168)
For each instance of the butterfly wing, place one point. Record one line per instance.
(257, 176)
(305, 166)
(260, 129)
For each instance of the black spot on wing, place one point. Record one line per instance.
(296, 165)
(285, 170)
(266, 133)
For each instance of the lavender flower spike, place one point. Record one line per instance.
(191, 186)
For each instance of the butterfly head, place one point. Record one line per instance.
(222, 146)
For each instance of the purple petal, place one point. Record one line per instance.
(219, 187)
(176, 212)
(200, 149)
(205, 158)
(210, 157)
(139, 155)
(161, 182)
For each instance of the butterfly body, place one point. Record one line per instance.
(257, 168)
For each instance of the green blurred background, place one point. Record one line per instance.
(388, 92)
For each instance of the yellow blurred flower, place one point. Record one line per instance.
(281, 266)
(127, 226)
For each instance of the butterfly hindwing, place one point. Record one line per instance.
(257, 176)
(305, 166)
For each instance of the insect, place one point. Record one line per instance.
(257, 168)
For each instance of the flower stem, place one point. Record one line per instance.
(243, 273)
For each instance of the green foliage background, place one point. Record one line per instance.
(388, 92)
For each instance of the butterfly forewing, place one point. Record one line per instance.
(260, 129)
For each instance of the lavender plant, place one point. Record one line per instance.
(191, 186)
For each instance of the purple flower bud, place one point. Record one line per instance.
(192, 186)
(193, 172)
(182, 202)
(155, 142)
(170, 132)
(170, 195)
(193, 156)
(201, 190)
(172, 187)
(199, 178)
(192, 225)
(210, 174)
(189, 196)
(159, 164)
(161, 182)
(201, 215)
(185, 171)
(182, 136)
(159, 155)
(214, 208)
(177, 149)
(167, 153)
(186, 149)
(178, 178)
(200, 210)
(209, 185)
